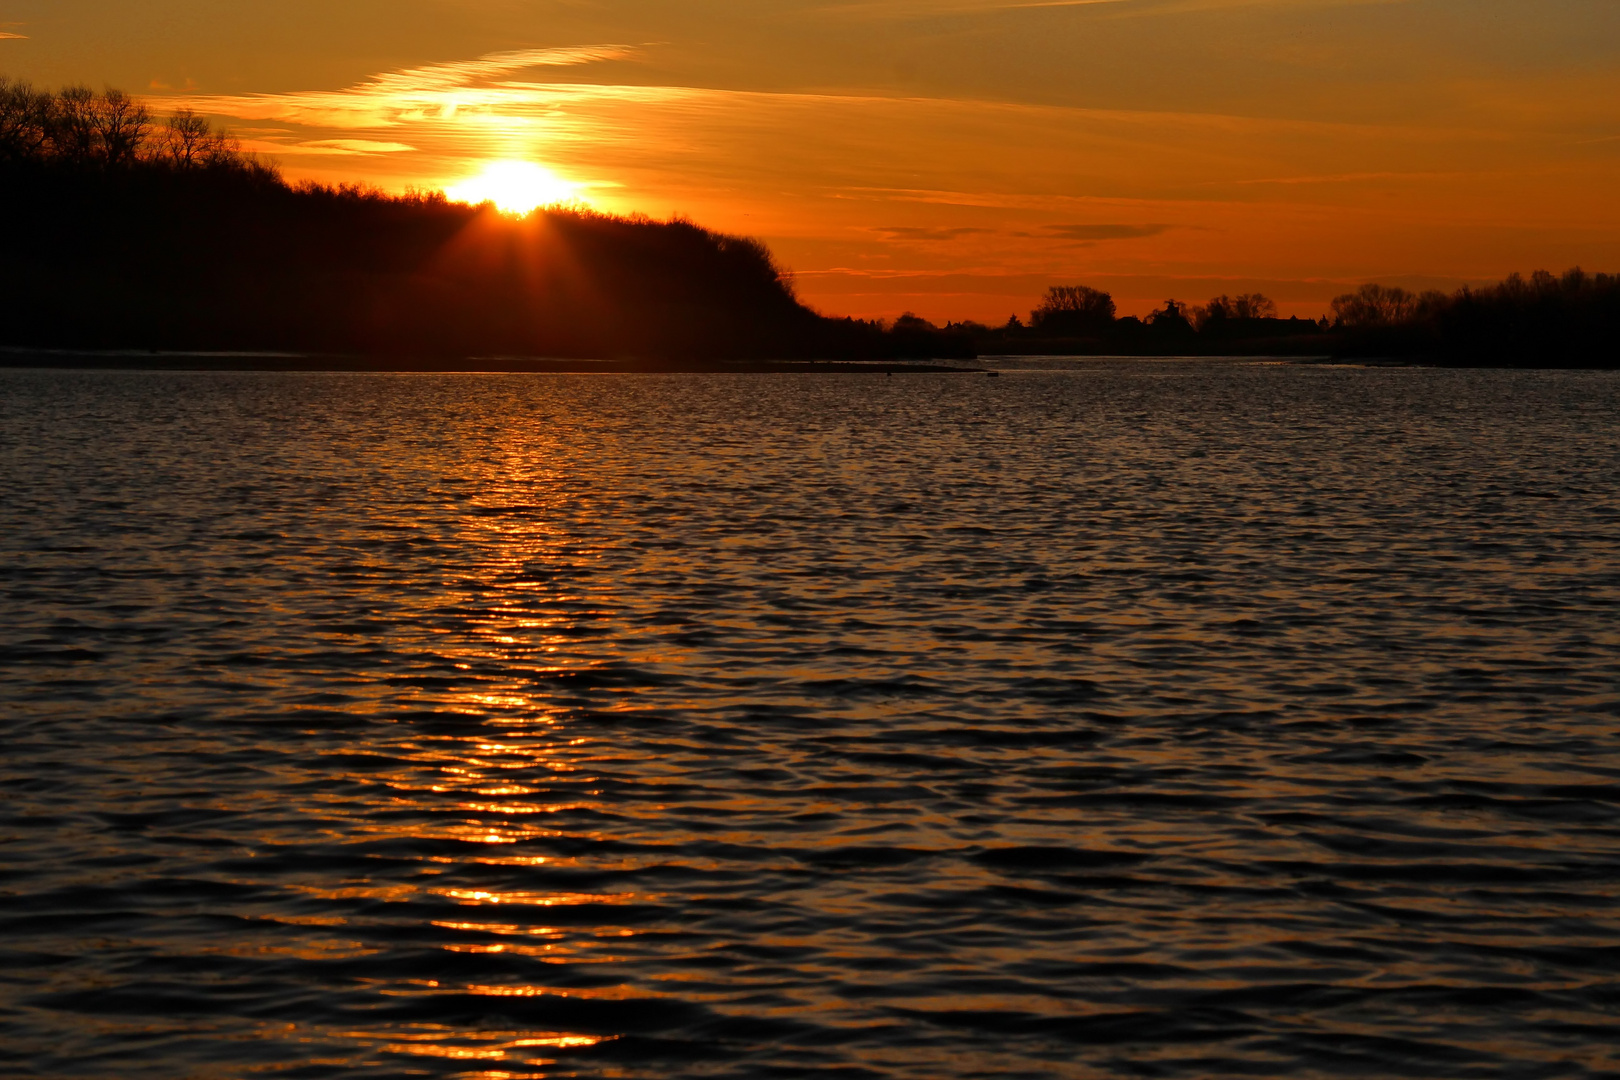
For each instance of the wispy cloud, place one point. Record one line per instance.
(906, 9)
(476, 108)
(1344, 178)
(1102, 232)
(924, 9)
(462, 91)
(6, 35)
(457, 73)
(919, 232)
(353, 146)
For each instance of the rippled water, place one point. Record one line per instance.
(1147, 719)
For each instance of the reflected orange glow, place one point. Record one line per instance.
(536, 899)
(391, 893)
(804, 868)
(440, 1042)
(605, 993)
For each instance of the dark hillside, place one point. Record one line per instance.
(122, 233)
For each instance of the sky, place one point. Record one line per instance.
(950, 158)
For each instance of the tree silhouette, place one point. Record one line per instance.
(1171, 319)
(73, 125)
(25, 121)
(122, 125)
(1545, 320)
(129, 234)
(169, 236)
(187, 140)
(1533, 321)
(1073, 309)
(1379, 305)
(1223, 308)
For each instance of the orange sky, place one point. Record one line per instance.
(951, 158)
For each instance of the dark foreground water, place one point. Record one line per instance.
(1158, 719)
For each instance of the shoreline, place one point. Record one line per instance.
(145, 360)
(56, 359)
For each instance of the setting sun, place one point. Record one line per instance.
(909, 538)
(515, 187)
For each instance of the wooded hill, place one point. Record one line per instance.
(125, 232)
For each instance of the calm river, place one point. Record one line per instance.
(1136, 719)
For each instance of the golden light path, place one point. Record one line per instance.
(515, 187)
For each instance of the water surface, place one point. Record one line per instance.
(1144, 719)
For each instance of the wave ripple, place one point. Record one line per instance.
(1148, 719)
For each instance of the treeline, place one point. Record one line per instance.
(1572, 320)
(128, 231)
(80, 129)
(1079, 320)
(1545, 320)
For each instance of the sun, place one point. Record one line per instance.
(515, 187)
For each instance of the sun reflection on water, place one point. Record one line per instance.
(651, 701)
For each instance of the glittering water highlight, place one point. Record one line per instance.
(1150, 718)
